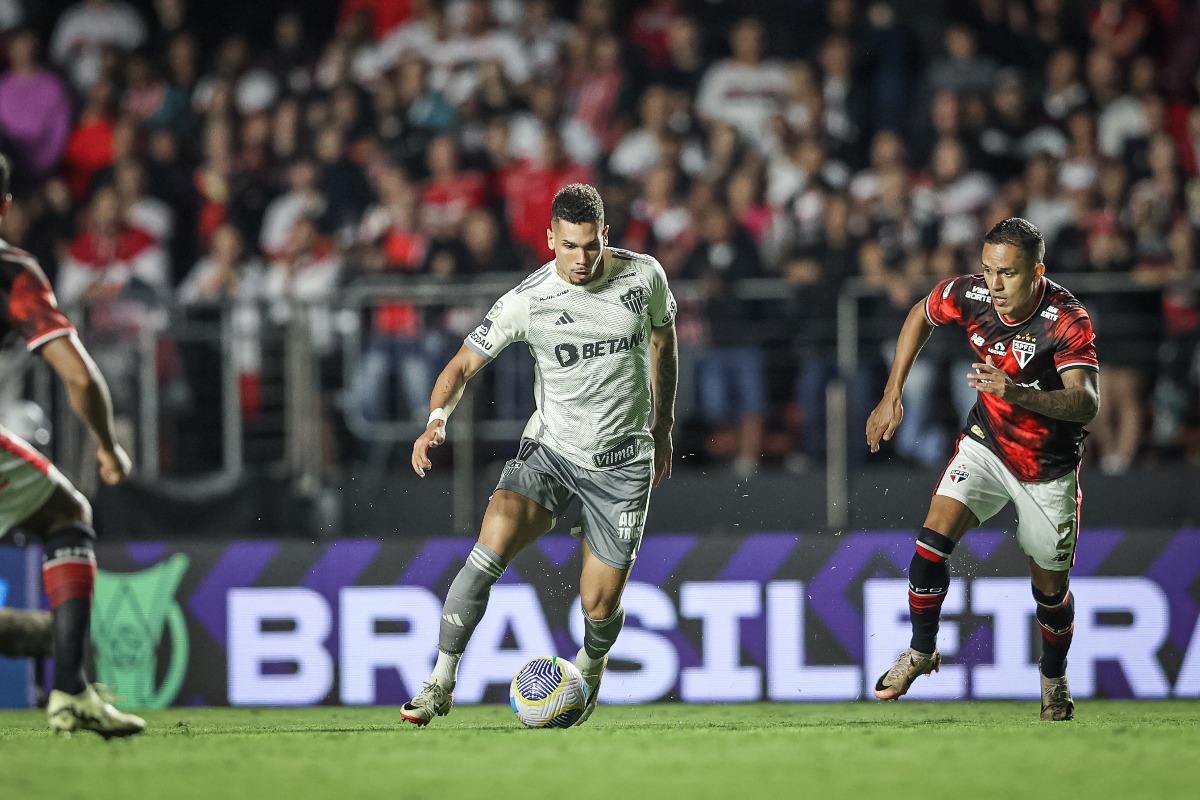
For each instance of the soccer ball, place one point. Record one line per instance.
(548, 692)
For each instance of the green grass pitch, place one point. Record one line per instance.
(853, 750)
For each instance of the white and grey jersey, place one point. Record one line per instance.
(591, 345)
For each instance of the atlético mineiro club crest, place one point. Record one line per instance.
(1023, 349)
(958, 475)
(636, 299)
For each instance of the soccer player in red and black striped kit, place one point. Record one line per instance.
(37, 498)
(1038, 383)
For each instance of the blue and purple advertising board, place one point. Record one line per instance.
(769, 616)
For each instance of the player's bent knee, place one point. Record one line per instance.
(65, 507)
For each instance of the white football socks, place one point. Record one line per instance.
(445, 671)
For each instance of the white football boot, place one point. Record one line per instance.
(435, 700)
(910, 665)
(90, 710)
(1057, 705)
(591, 676)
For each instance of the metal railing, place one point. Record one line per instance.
(302, 402)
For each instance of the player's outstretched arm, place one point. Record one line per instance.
(664, 369)
(447, 391)
(886, 417)
(88, 395)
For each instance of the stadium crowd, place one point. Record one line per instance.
(809, 141)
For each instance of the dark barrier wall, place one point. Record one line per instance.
(766, 616)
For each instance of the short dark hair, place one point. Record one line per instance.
(5, 176)
(1021, 234)
(578, 203)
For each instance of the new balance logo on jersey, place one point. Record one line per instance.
(565, 319)
(978, 340)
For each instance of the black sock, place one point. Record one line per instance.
(69, 573)
(1056, 619)
(72, 626)
(928, 580)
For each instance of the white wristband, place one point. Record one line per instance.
(440, 414)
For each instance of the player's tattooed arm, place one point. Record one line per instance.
(664, 363)
(1077, 401)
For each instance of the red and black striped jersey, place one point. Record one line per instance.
(28, 308)
(1056, 336)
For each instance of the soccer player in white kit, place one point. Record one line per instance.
(600, 323)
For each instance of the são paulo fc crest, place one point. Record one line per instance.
(1023, 348)
(636, 299)
(958, 475)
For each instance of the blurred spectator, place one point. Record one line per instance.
(529, 189)
(1044, 204)
(301, 198)
(35, 113)
(12, 14)
(894, 61)
(844, 118)
(648, 32)
(401, 357)
(686, 64)
(947, 202)
(1063, 90)
(744, 90)
(171, 19)
(1119, 115)
(85, 28)
(449, 193)
(342, 183)
(1005, 141)
(661, 223)
(226, 273)
(543, 38)
(384, 15)
(111, 260)
(817, 274)
(593, 92)
(731, 377)
(213, 178)
(140, 210)
(638, 150)
(90, 143)
(1120, 27)
(308, 269)
(961, 68)
(744, 197)
(424, 113)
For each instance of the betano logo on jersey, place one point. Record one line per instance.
(568, 354)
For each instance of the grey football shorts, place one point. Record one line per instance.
(613, 502)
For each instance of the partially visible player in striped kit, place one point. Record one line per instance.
(37, 498)
(600, 323)
(1038, 381)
